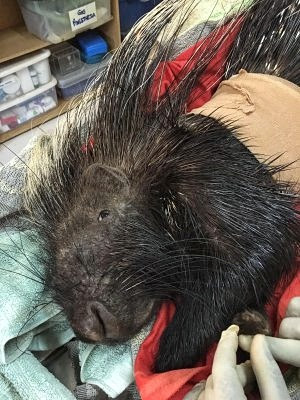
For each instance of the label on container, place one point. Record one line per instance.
(83, 16)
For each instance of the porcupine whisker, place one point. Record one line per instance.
(181, 291)
(173, 260)
(23, 275)
(25, 253)
(31, 315)
(30, 268)
(167, 274)
(177, 291)
(187, 241)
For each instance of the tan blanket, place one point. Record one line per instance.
(267, 111)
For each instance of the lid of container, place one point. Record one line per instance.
(10, 67)
(85, 72)
(91, 43)
(28, 96)
(63, 48)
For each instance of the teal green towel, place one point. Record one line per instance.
(27, 316)
(26, 379)
(24, 325)
(108, 367)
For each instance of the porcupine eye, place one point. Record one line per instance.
(103, 214)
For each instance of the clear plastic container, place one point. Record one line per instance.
(81, 80)
(64, 59)
(28, 106)
(60, 20)
(24, 75)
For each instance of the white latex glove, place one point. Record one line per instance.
(228, 379)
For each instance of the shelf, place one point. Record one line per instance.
(17, 41)
(63, 106)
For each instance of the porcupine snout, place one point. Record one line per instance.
(98, 323)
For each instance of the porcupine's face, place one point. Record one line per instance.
(102, 246)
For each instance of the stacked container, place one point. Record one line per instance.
(73, 75)
(80, 80)
(27, 89)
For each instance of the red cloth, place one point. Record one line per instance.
(169, 74)
(168, 385)
(174, 385)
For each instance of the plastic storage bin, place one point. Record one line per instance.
(24, 108)
(80, 80)
(64, 59)
(24, 75)
(59, 20)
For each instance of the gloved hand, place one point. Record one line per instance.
(228, 379)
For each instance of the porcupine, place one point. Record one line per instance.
(163, 205)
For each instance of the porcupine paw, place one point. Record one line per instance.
(252, 322)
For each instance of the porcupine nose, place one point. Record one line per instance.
(98, 325)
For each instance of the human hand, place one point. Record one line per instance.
(228, 380)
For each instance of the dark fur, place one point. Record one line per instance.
(252, 322)
(194, 217)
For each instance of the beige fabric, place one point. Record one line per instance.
(267, 111)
